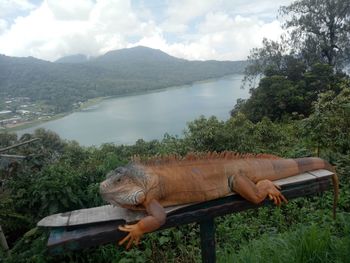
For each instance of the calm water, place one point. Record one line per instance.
(148, 116)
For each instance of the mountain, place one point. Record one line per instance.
(74, 78)
(136, 55)
(78, 58)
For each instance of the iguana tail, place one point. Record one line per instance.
(309, 164)
(335, 181)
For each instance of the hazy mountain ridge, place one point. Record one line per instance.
(78, 58)
(66, 81)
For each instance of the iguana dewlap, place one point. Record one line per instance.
(159, 183)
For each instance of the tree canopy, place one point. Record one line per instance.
(307, 61)
(319, 30)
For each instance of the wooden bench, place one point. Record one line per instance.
(96, 226)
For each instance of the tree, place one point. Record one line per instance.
(319, 30)
(328, 127)
(273, 58)
(289, 93)
(267, 58)
(275, 97)
(305, 62)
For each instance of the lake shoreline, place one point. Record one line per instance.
(90, 103)
(147, 115)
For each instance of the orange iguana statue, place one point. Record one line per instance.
(155, 184)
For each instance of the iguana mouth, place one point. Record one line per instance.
(105, 192)
(104, 187)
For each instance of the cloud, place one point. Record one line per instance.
(219, 37)
(180, 12)
(3, 26)
(11, 7)
(39, 34)
(223, 30)
(264, 9)
(233, 37)
(52, 30)
(213, 29)
(70, 10)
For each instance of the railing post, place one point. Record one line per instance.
(207, 233)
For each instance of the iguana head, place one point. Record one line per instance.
(124, 186)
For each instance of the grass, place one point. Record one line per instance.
(314, 243)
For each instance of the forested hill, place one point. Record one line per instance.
(76, 78)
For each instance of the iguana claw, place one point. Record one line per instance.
(134, 236)
(276, 196)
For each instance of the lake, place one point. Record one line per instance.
(123, 120)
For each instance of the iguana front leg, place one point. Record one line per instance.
(155, 219)
(256, 193)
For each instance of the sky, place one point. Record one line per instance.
(189, 29)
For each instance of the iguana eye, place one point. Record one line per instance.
(117, 179)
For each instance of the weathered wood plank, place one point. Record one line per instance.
(79, 217)
(321, 173)
(93, 215)
(54, 220)
(295, 179)
(110, 213)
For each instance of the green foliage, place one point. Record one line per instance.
(56, 190)
(315, 243)
(30, 249)
(283, 95)
(328, 127)
(241, 135)
(7, 139)
(272, 59)
(306, 61)
(205, 134)
(173, 145)
(278, 138)
(274, 97)
(11, 220)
